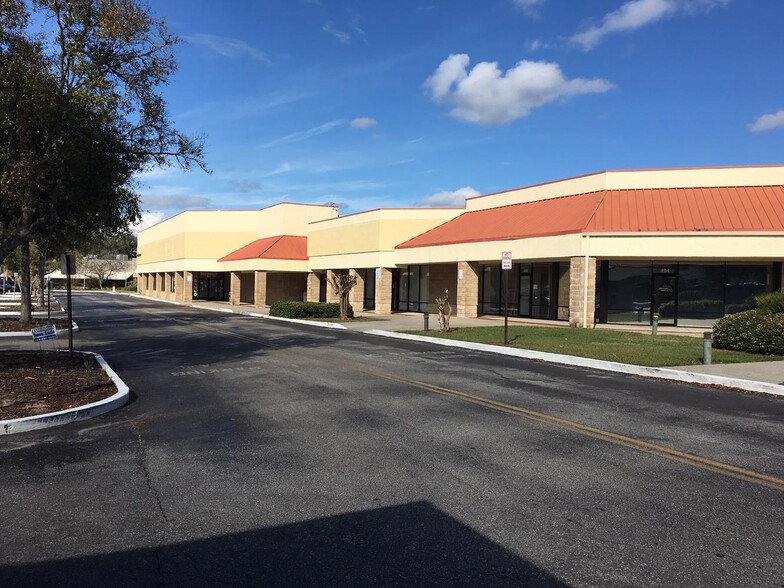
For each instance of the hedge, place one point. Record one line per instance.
(772, 302)
(292, 309)
(753, 331)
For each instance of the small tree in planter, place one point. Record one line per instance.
(444, 312)
(342, 284)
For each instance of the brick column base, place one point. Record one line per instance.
(467, 289)
(384, 291)
(579, 316)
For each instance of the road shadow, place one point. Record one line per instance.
(411, 544)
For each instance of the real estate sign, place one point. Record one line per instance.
(45, 333)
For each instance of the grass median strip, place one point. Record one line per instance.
(624, 347)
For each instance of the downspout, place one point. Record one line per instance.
(585, 282)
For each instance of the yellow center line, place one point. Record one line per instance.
(614, 438)
(682, 457)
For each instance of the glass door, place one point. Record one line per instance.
(525, 295)
(540, 292)
(664, 288)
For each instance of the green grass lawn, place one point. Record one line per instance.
(625, 347)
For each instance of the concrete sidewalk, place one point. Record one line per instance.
(771, 372)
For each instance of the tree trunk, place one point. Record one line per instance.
(26, 313)
(41, 277)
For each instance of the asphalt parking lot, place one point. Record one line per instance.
(261, 453)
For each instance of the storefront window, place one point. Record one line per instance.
(629, 292)
(540, 290)
(413, 289)
(744, 283)
(491, 289)
(700, 293)
(686, 294)
(525, 289)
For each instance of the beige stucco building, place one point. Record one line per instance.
(690, 245)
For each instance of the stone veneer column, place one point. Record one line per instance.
(331, 296)
(467, 289)
(356, 297)
(179, 286)
(384, 291)
(234, 289)
(260, 289)
(313, 287)
(579, 316)
(187, 288)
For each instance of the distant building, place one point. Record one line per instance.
(611, 247)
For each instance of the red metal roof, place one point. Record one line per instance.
(280, 247)
(755, 208)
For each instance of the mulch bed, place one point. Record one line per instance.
(39, 382)
(9, 324)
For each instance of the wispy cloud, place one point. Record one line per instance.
(363, 122)
(172, 201)
(341, 36)
(148, 219)
(417, 140)
(487, 96)
(530, 7)
(636, 14)
(449, 198)
(767, 122)
(244, 185)
(354, 26)
(537, 44)
(283, 168)
(227, 47)
(303, 135)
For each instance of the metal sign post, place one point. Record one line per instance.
(506, 265)
(68, 263)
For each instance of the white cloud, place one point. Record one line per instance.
(178, 201)
(227, 46)
(447, 198)
(487, 96)
(341, 36)
(302, 135)
(636, 14)
(536, 44)
(148, 219)
(363, 122)
(530, 7)
(357, 29)
(767, 122)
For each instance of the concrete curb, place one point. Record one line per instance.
(609, 366)
(27, 333)
(81, 413)
(326, 325)
(152, 298)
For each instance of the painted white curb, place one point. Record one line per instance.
(609, 366)
(326, 325)
(27, 333)
(71, 415)
(152, 298)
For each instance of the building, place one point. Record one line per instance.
(690, 245)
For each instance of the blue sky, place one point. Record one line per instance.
(370, 104)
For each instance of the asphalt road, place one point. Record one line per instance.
(258, 453)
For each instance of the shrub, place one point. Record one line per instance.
(771, 303)
(295, 309)
(753, 331)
